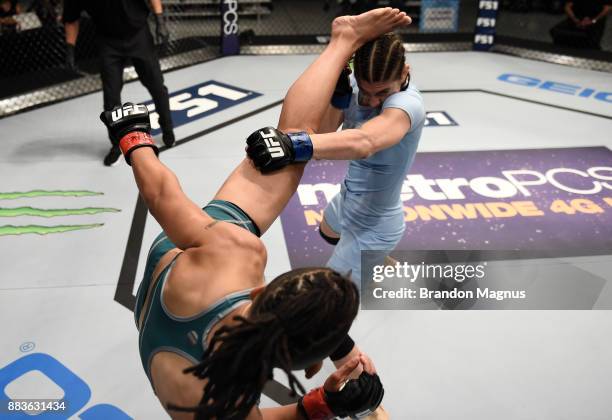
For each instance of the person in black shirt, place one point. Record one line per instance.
(585, 23)
(123, 33)
(8, 9)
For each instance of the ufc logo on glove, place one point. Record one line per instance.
(131, 109)
(274, 147)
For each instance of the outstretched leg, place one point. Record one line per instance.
(308, 99)
(263, 197)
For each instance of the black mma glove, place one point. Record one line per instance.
(70, 62)
(271, 149)
(359, 398)
(129, 127)
(341, 98)
(161, 30)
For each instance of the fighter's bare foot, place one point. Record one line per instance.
(367, 26)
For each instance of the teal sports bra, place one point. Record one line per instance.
(163, 331)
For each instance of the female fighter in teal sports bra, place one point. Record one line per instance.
(210, 332)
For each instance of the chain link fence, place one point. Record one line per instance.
(291, 18)
(33, 67)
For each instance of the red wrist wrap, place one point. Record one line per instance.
(134, 140)
(315, 406)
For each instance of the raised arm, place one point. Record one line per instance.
(182, 220)
(263, 197)
(377, 134)
(340, 396)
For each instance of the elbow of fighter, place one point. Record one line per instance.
(365, 146)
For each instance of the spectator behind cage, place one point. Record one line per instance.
(123, 34)
(585, 24)
(8, 9)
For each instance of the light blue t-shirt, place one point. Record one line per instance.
(378, 179)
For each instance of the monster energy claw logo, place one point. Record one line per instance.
(48, 213)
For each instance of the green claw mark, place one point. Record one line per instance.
(43, 230)
(31, 211)
(45, 193)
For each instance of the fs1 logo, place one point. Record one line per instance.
(484, 34)
(230, 17)
(557, 87)
(200, 101)
(488, 5)
(76, 393)
(484, 39)
(485, 22)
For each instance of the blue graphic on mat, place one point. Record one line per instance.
(199, 101)
(76, 392)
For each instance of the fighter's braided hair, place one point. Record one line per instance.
(297, 314)
(380, 60)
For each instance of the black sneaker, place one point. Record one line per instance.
(168, 139)
(113, 156)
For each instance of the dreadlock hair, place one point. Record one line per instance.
(297, 320)
(380, 60)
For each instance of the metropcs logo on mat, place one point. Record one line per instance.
(558, 200)
(74, 394)
(200, 101)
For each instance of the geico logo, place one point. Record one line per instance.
(527, 81)
(199, 104)
(230, 17)
(514, 182)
